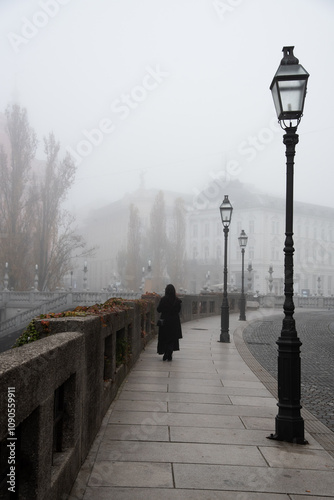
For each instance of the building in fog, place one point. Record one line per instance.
(107, 230)
(261, 215)
(263, 218)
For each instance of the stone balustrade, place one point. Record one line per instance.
(62, 385)
(35, 303)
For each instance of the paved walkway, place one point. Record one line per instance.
(195, 429)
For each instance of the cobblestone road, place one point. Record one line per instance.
(316, 332)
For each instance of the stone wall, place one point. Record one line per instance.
(62, 386)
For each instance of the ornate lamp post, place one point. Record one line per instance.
(36, 278)
(270, 279)
(242, 243)
(207, 281)
(6, 278)
(85, 269)
(226, 215)
(249, 269)
(289, 89)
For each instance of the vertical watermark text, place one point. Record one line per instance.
(11, 440)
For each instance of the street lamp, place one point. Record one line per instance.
(271, 279)
(226, 215)
(249, 269)
(36, 278)
(85, 269)
(242, 243)
(288, 90)
(6, 278)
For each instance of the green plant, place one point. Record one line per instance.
(113, 305)
(122, 351)
(29, 335)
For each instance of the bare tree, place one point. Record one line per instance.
(34, 227)
(121, 264)
(176, 246)
(158, 241)
(133, 250)
(15, 205)
(56, 240)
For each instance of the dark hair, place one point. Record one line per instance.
(170, 292)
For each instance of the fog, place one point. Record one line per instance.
(171, 92)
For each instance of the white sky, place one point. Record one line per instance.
(77, 65)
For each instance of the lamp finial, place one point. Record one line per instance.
(289, 57)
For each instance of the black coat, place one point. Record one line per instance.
(170, 332)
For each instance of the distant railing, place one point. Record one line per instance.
(53, 302)
(314, 302)
(44, 302)
(22, 319)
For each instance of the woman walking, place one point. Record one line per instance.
(170, 330)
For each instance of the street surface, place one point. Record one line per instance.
(316, 331)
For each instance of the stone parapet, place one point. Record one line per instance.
(63, 384)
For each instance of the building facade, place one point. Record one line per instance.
(263, 219)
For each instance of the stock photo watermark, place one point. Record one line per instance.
(121, 108)
(30, 27)
(247, 150)
(225, 7)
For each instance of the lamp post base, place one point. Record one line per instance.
(224, 337)
(242, 316)
(225, 320)
(289, 429)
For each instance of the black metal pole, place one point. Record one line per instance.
(289, 423)
(224, 331)
(242, 316)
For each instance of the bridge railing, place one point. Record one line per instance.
(312, 302)
(51, 302)
(22, 319)
(44, 302)
(63, 384)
